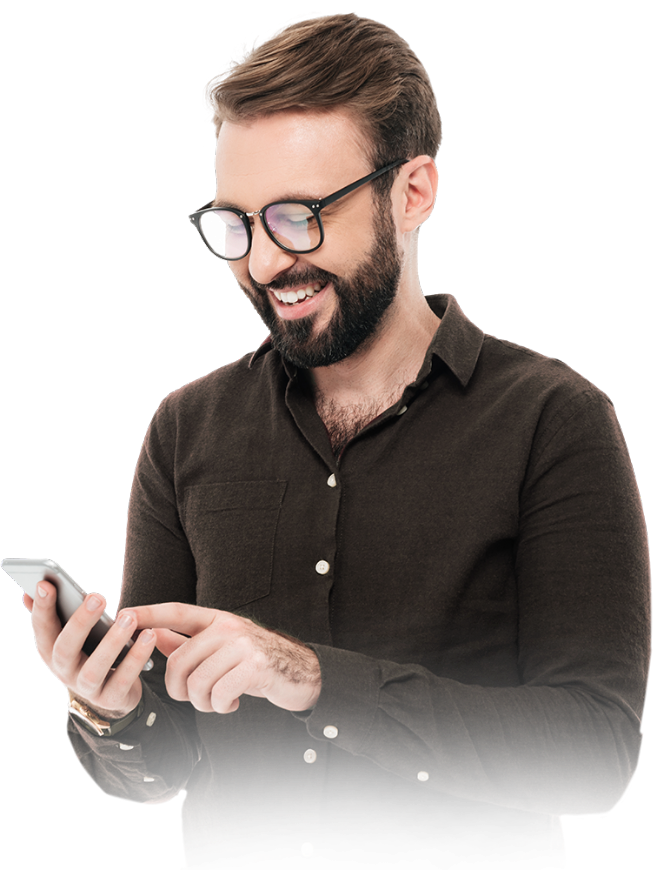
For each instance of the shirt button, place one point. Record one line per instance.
(322, 567)
(149, 779)
(332, 481)
(423, 776)
(151, 719)
(330, 731)
(402, 410)
(310, 756)
(125, 746)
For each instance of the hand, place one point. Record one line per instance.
(226, 656)
(112, 693)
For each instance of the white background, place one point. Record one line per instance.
(544, 230)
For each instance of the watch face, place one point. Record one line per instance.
(91, 720)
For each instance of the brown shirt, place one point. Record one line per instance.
(472, 572)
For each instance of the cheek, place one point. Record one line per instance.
(340, 252)
(347, 241)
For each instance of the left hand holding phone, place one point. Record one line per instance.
(111, 692)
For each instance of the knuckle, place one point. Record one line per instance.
(175, 659)
(120, 684)
(197, 681)
(59, 660)
(172, 684)
(179, 611)
(88, 678)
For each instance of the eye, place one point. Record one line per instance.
(288, 216)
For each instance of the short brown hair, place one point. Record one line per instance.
(339, 61)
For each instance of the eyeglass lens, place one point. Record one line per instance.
(292, 225)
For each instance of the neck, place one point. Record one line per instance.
(390, 360)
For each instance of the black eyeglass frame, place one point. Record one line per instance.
(315, 206)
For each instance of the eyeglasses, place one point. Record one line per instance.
(295, 226)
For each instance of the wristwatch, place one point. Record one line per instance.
(95, 724)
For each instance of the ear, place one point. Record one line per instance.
(418, 180)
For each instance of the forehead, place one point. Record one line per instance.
(288, 154)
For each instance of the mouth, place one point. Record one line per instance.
(295, 297)
(296, 302)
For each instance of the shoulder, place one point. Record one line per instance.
(225, 387)
(231, 395)
(543, 380)
(557, 405)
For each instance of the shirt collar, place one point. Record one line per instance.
(457, 341)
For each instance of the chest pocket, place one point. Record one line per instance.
(231, 528)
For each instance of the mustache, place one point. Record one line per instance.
(290, 280)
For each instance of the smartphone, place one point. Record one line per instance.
(28, 572)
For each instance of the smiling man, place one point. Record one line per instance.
(351, 311)
(395, 568)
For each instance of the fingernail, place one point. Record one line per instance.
(126, 619)
(147, 636)
(41, 591)
(93, 602)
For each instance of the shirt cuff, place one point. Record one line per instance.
(349, 699)
(134, 733)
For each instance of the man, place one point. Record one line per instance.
(396, 569)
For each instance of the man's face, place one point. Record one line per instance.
(343, 289)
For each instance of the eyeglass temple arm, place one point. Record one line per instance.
(345, 190)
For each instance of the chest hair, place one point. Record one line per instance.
(344, 422)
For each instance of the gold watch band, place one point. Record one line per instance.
(93, 721)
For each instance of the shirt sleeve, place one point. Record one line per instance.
(149, 761)
(153, 758)
(566, 739)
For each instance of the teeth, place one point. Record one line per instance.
(291, 297)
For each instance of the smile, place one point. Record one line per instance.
(293, 297)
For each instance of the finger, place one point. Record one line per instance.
(195, 667)
(169, 641)
(226, 692)
(45, 621)
(220, 680)
(28, 602)
(245, 678)
(67, 655)
(184, 618)
(95, 671)
(122, 691)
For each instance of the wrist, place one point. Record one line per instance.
(98, 722)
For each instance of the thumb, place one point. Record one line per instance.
(168, 641)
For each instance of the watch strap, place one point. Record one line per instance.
(94, 722)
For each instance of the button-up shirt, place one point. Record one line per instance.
(471, 571)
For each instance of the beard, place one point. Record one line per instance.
(362, 301)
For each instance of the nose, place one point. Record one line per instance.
(266, 259)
